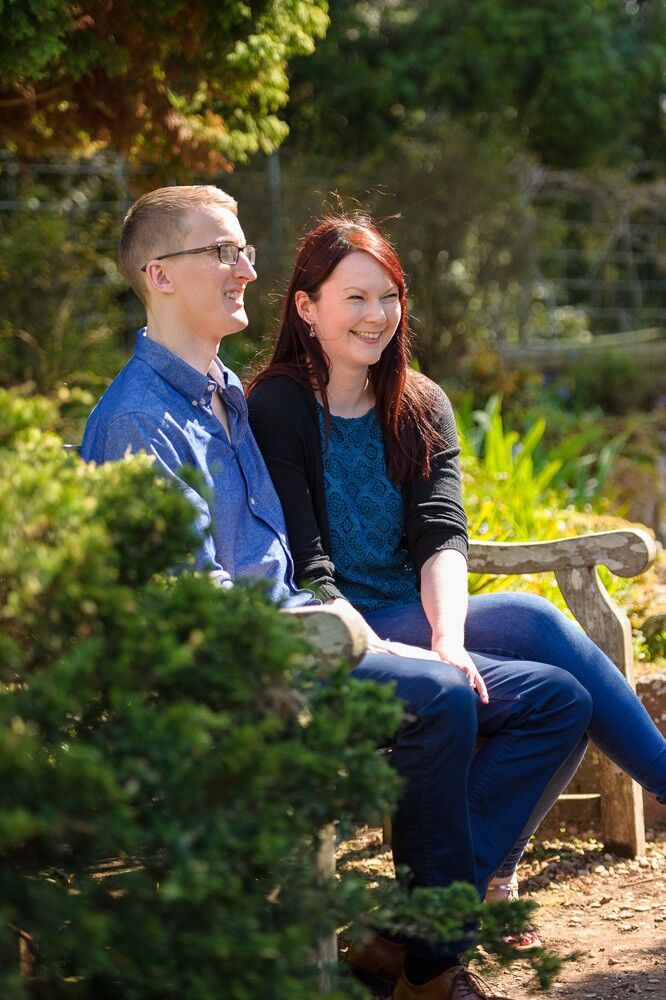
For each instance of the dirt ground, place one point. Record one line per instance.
(610, 910)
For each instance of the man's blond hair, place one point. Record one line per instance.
(156, 223)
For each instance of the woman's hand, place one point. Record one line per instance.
(456, 654)
(444, 598)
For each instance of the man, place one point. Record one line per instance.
(184, 252)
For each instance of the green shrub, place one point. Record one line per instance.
(514, 492)
(555, 459)
(170, 729)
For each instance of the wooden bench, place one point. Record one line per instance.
(574, 561)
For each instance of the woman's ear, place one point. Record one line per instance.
(303, 304)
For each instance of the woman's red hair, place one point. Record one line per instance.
(403, 398)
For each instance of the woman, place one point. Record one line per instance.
(363, 452)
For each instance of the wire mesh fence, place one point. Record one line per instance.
(597, 244)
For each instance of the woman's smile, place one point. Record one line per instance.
(369, 338)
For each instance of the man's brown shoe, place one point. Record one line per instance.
(454, 984)
(377, 962)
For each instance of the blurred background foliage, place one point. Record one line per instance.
(572, 81)
(190, 84)
(60, 321)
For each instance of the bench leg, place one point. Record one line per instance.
(622, 822)
(327, 953)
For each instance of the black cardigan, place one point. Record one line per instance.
(283, 417)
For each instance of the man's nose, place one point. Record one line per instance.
(244, 269)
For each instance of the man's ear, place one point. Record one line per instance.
(157, 278)
(303, 304)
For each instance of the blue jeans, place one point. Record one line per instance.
(461, 811)
(523, 626)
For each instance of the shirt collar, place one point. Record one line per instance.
(183, 377)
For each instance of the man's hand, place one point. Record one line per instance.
(456, 654)
(411, 652)
(377, 645)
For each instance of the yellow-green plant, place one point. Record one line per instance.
(509, 496)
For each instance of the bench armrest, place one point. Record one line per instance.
(626, 552)
(336, 633)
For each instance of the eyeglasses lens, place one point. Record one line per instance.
(229, 253)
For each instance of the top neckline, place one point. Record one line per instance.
(336, 416)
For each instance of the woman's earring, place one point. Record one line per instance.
(312, 330)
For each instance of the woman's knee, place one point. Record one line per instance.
(531, 611)
(528, 627)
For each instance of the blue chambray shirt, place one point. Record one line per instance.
(161, 405)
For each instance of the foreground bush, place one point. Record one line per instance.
(171, 730)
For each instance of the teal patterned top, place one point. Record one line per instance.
(365, 515)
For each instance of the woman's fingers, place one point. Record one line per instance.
(457, 656)
(476, 681)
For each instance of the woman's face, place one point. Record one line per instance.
(356, 312)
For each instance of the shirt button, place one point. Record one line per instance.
(212, 387)
(252, 502)
(195, 402)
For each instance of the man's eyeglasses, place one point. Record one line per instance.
(227, 252)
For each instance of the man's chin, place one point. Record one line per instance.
(236, 322)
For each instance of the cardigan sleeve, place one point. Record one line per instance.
(435, 518)
(283, 429)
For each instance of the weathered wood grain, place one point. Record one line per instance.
(626, 552)
(327, 956)
(336, 633)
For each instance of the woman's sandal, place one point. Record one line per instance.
(499, 891)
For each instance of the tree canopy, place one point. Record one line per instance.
(202, 83)
(578, 82)
(198, 82)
